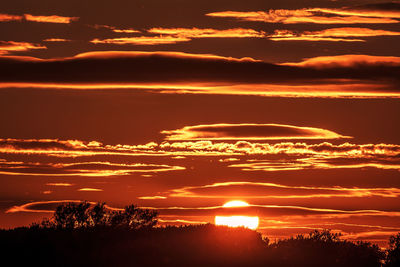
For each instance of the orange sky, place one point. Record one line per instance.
(291, 106)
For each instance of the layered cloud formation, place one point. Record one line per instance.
(182, 72)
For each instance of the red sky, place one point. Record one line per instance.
(291, 106)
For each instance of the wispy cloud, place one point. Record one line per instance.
(259, 190)
(60, 184)
(371, 14)
(347, 61)
(7, 17)
(56, 40)
(50, 19)
(249, 131)
(346, 34)
(7, 47)
(89, 169)
(87, 189)
(142, 40)
(38, 18)
(115, 29)
(208, 33)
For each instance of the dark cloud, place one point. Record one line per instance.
(153, 68)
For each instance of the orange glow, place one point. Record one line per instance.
(56, 40)
(7, 17)
(50, 19)
(330, 34)
(142, 40)
(208, 33)
(235, 203)
(249, 131)
(356, 90)
(288, 16)
(11, 46)
(238, 221)
(346, 61)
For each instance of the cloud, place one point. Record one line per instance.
(34, 18)
(249, 131)
(301, 163)
(152, 197)
(380, 10)
(176, 72)
(86, 189)
(259, 190)
(333, 34)
(268, 211)
(287, 16)
(115, 29)
(347, 61)
(289, 148)
(59, 184)
(208, 33)
(56, 40)
(142, 40)
(175, 35)
(7, 17)
(47, 206)
(7, 47)
(50, 19)
(361, 14)
(86, 169)
(76, 148)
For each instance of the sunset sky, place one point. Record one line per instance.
(291, 106)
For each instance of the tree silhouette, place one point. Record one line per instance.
(393, 253)
(80, 215)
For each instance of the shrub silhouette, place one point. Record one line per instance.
(325, 248)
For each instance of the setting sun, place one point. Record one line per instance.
(235, 203)
(238, 221)
(250, 222)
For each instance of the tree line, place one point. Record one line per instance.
(84, 234)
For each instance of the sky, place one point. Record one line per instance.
(182, 106)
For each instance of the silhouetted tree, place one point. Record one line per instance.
(393, 253)
(325, 248)
(80, 215)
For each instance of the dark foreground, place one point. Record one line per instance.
(205, 245)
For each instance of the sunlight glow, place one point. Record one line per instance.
(235, 203)
(238, 221)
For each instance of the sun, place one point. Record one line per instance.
(235, 203)
(250, 222)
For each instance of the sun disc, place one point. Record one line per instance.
(235, 203)
(238, 221)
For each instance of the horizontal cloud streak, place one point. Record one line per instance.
(7, 17)
(142, 40)
(208, 33)
(248, 131)
(372, 14)
(250, 190)
(230, 75)
(91, 169)
(7, 47)
(287, 16)
(50, 19)
(35, 18)
(333, 34)
(347, 61)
